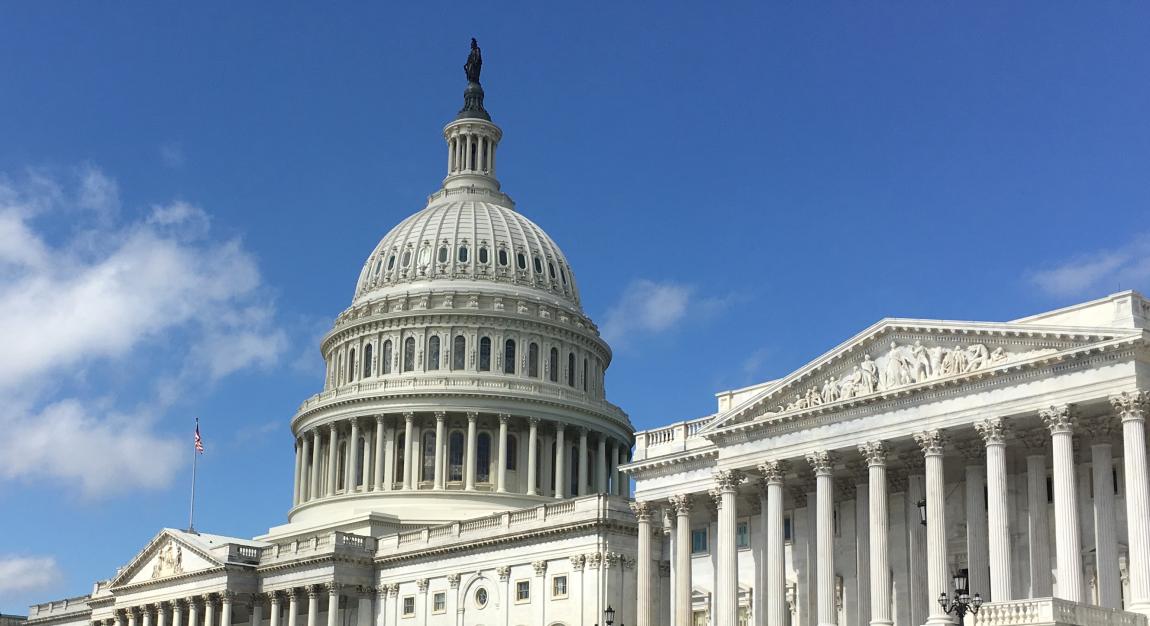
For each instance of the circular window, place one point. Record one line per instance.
(481, 597)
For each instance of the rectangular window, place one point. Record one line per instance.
(743, 535)
(787, 528)
(699, 543)
(523, 591)
(559, 587)
(439, 602)
(409, 606)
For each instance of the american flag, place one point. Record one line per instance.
(199, 442)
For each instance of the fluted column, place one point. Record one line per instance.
(1038, 524)
(822, 463)
(226, 608)
(622, 482)
(366, 463)
(560, 463)
(390, 467)
(643, 512)
(601, 465)
(1067, 532)
(501, 470)
(161, 614)
(532, 455)
(775, 590)
(974, 484)
(472, 443)
(377, 476)
(209, 610)
(312, 606)
(1132, 408)
(131, 611)
(305, 491)
(296, 484)
(613, 457)
(332, 457)
(177, 613)
(257, 610)
(293, 608)
(682, 593)
(727, 594)
(409, 465)
(332, 604)
(875, 454)
(582, 482)
(315, 474)
(440, 449)
(349, 483)
(993, 432)
(193, 613)
(938, 579)
(147, 615)
(274, 608)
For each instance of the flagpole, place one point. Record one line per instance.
(192, 506)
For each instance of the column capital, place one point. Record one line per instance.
(273, 597)
(504, 418)
(408, 416)
(1131, 406)
(874, 453)
(312, 591)
(931, 442)
(1059, 419)
(822, 462)
(681, 504)
(533, 421)
(227, 595)
(421, 584)
(503, 572)
(993, 431)
(540, 567)
(440, 416)
(472, 416)
(332, 427)
(773, 471)
(642, 510)
(578, 562)
(380, 418)
(728, 480)
(453, 580)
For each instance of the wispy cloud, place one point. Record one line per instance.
(96, 298)
(22, 574)
(1098, 272)
(649, 307)
(172, 155)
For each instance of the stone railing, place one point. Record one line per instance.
(329, 543)
(1055, 612)
(678, 436)
(57, 608)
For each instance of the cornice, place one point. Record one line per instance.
(672, 463)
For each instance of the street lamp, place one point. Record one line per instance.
(922, 511)
(961, 603)
(609, 616)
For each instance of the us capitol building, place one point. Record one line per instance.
(462, 465)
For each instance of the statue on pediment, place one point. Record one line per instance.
(977, 357)
(169, 562)
(869, 371)
(920, 362)
(830, 391)
(955, 361)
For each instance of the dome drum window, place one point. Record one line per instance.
(444, 254)
(521, 261)
(484, 259)
(464, 254)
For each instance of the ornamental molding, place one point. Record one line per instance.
(894, 358)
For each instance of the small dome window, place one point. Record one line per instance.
(443, 254)
(406, 259)
(538, 265)
(502, 256)
(464, 254)
(521, 260)
(390, 262)
(563, 274)
(424, 255)
(551, 269)
(483, 258)
(378, 266)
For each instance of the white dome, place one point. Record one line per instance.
(468, 240)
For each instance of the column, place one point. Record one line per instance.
(602, 465)
(560, 463)
(643, 512)
(920, 597)
(332, 457)
(332, 604)
(209, 610)
(193, 613)
(440, 447)
(682, 592)
(131, 611)
(365, 466)
(305, 475)
(860, 476)
(409, 465)
(775, 590)
(298, 468)
(938, 578)
(727, 576)
(226, 608)
(623, 482)
(161, 614)
(1105, 524)
(118, 620)
(312, 606)
(1038, 524)
(349, 482)
(582, 487)
(1131, 408)
(177, 613)
(257, 610)
(469, 458)
(274, 608)
(390, 466)
(977, 552)
(613, 470)
(532, 456)
(316, 472)
(293, 608)
(1068, 538)
(147, 617)
(875, 454)
(501, 470)
(822, 463)
(377, 477)
(993, 432)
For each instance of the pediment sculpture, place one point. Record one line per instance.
(169, 561)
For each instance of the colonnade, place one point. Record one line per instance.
(473, 452)
(283, 607)
(991, 573)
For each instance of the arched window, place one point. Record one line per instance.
(443, 254)
(533, 360)
(573, 477)
(483, 259)
(509, 356)
(409, 354)
(339, 368)
(538, 265)
(351, 365)
(459, 353)
(483, 458)
(400, 453)
(361, 446)
(521, 260)
(428, 456)
(385, 358)
(340, 463)
(553, 365)
(367, 361)
(554, 467)
(405, 260)
(455, 456)
(464, 254)
(584, 374)
(571, 369)
(390, 262)
(551, 269)
(433, 353)
(512, 452)
(503, 256)
(485, 354)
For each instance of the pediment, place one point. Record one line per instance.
(167, 555)
(905, 356)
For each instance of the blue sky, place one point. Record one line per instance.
(187, 192)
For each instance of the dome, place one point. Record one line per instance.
(468, 240)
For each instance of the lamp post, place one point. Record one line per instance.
(609, 616)
(922, 511)
(962, 602)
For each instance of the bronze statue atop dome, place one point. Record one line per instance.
(473, 94)
(474, 63)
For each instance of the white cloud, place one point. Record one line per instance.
(103, 299)
(1100, 272)
(649, 307)
(27, 573)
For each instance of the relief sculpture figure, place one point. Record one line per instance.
(978, 357)
(869, 380)
(920, 368)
